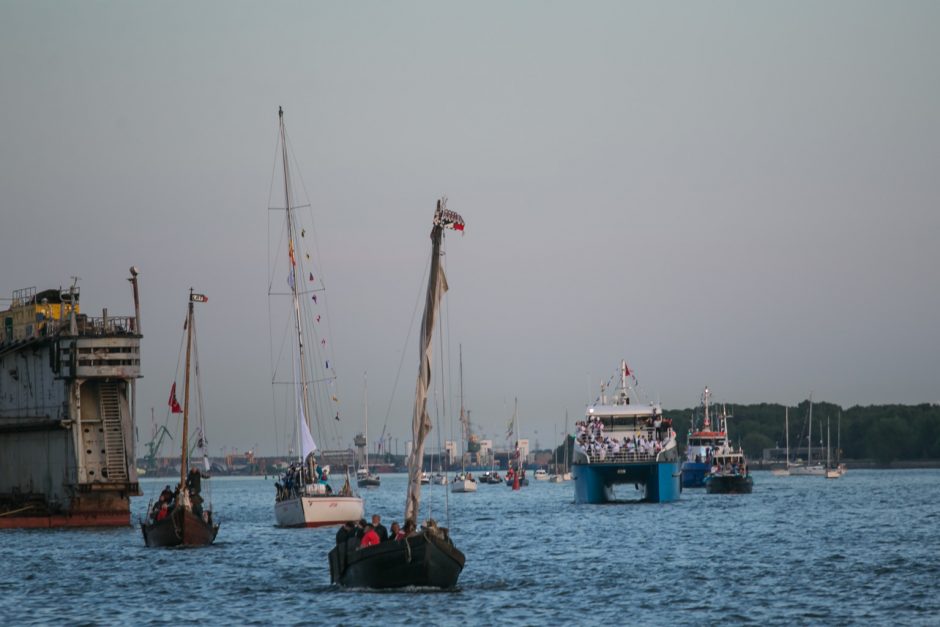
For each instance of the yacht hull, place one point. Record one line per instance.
(731, 484)
(318, 511)
(693, 474)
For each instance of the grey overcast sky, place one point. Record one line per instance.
(737, 194)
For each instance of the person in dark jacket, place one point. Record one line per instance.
(379, 528)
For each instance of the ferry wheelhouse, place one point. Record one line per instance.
(625, 443)
(700, 445)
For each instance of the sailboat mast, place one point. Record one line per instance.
(189, 348)
(365, 405)
(298, 326)
(786, 427)
(463, 415)
(421, 422)
(809, 435)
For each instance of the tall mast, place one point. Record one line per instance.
(365, 404)
(298, 326)
(786, 427)
(189, 347)
(463, 415)
(809, 436)
(421, 422)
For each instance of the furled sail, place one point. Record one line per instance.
(421, 422)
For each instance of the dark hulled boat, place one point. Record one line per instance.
(427, 558)
(180, 528)
(729, 484)
(179, 518)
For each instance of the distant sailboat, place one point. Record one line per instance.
(365, 478)
(808, 469)
(463, 482)
(785, 471)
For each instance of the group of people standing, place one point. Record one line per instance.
(366, 533)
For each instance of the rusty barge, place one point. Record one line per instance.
(67, 397)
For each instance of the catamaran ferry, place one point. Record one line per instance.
(625, 443)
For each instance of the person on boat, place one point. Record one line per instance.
(345, 532)
(164, 511)
(410, 528)
(396, 532)
(379, 528)
(361, 528)
(369, 538)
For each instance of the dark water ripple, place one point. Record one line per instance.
(800, 550)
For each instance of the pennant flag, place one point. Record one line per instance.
(626, 369)
(318, 317)
(311, 276)
(303, 232)
(199, 298)
(290, 248)
(327, 364)
(337, 415)
(323, 342)
(290, 278)
(335, 400)
(314, 298)
(173, 403)
(308, 256)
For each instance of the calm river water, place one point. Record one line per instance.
(801, 550)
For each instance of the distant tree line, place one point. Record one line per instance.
(884, 433)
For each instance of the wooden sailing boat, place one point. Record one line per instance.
(425, 557)
(463, 482)
(515, 473)
(303, 496)
(179, 517)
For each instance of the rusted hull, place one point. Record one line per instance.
(181, 528)
(85, 519)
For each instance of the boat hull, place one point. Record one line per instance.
(807, 471)
(522, 482)
(466, 485)
(180, 528)
(423, 560)
(693, 474)
(371, 482)
(730, 484)
(318, 511)
(593, 483)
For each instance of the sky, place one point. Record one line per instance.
(738, 195)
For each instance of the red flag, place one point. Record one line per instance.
(173, 403)
(627, 370)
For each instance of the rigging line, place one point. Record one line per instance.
(401, 361)
(270, 315)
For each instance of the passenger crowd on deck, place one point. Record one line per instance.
(651, 441)
(364, 534)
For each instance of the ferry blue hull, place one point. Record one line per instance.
(693, 474)
(593, 483)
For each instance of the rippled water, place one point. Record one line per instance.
(799, 550)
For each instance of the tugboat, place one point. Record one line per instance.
(624, 442)
(699, 447)
(729, 473)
